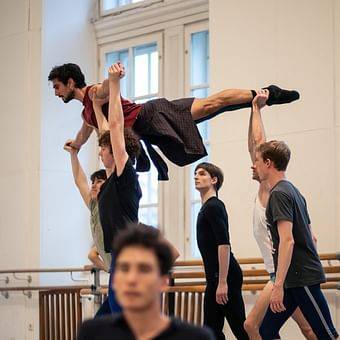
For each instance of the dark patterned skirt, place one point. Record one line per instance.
(169, 125)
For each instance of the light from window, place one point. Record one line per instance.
(123, 57)
(110, 4)
(140, 84)
(146, 71)
(199, 88)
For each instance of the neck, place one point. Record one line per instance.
(275, 177)
(206, 194)
(148, 323)
(264, 187)
(109, 171)
(79, 94)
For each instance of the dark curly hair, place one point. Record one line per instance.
(132, 144)
(67, 71)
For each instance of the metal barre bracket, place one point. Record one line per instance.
(5, 279)
(28, 278)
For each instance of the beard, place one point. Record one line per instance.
(69, 97)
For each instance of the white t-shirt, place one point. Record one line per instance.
(262, 235)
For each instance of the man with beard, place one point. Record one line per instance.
(171, 125)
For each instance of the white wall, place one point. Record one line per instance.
(42, 221)
(67, 36)
(20, 95)
(294, 44)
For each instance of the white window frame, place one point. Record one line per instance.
(120, 9)
(189, 29)
(129, 44)
(169, 19)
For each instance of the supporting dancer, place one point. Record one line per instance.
(97, 255)
(256, 136)
(89, 195)
(143, 261)
(223, 296)
(171, 125)
(298, 270)
(119, 196)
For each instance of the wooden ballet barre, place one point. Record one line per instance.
(252, 260)
(45, 270)
(201, 288)
(89, 291)
(245, 287)
(40, 288)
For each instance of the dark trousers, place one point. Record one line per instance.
(104, 309)
(110, 304)
(233, 311)
(313, 306)
(114, 305)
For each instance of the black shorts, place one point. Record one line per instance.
(169, 125)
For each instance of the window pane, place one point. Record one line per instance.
(141, 75)
(110, 4)
(146, 69)
(154, 72)
(149, 184)
(199, 58)
(199, 78)
(123, 57)
(200, 93)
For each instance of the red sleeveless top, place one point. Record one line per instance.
(130, 110)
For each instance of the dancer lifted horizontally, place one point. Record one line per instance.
(171, 125)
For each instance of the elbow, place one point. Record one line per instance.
(289, 242)
(91, 256)
(175, 254)
(258, 140)
(115, 124)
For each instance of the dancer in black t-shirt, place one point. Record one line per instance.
(223, 297)
(118, 199)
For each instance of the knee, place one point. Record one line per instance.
(250, 326)
(308, 333)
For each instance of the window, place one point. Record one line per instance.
(108, 7)
(140, 84)
(198, 86)
(110, 4)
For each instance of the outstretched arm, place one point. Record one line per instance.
(78, 173)
(116, 119)
(82, 136)
(256, 133)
